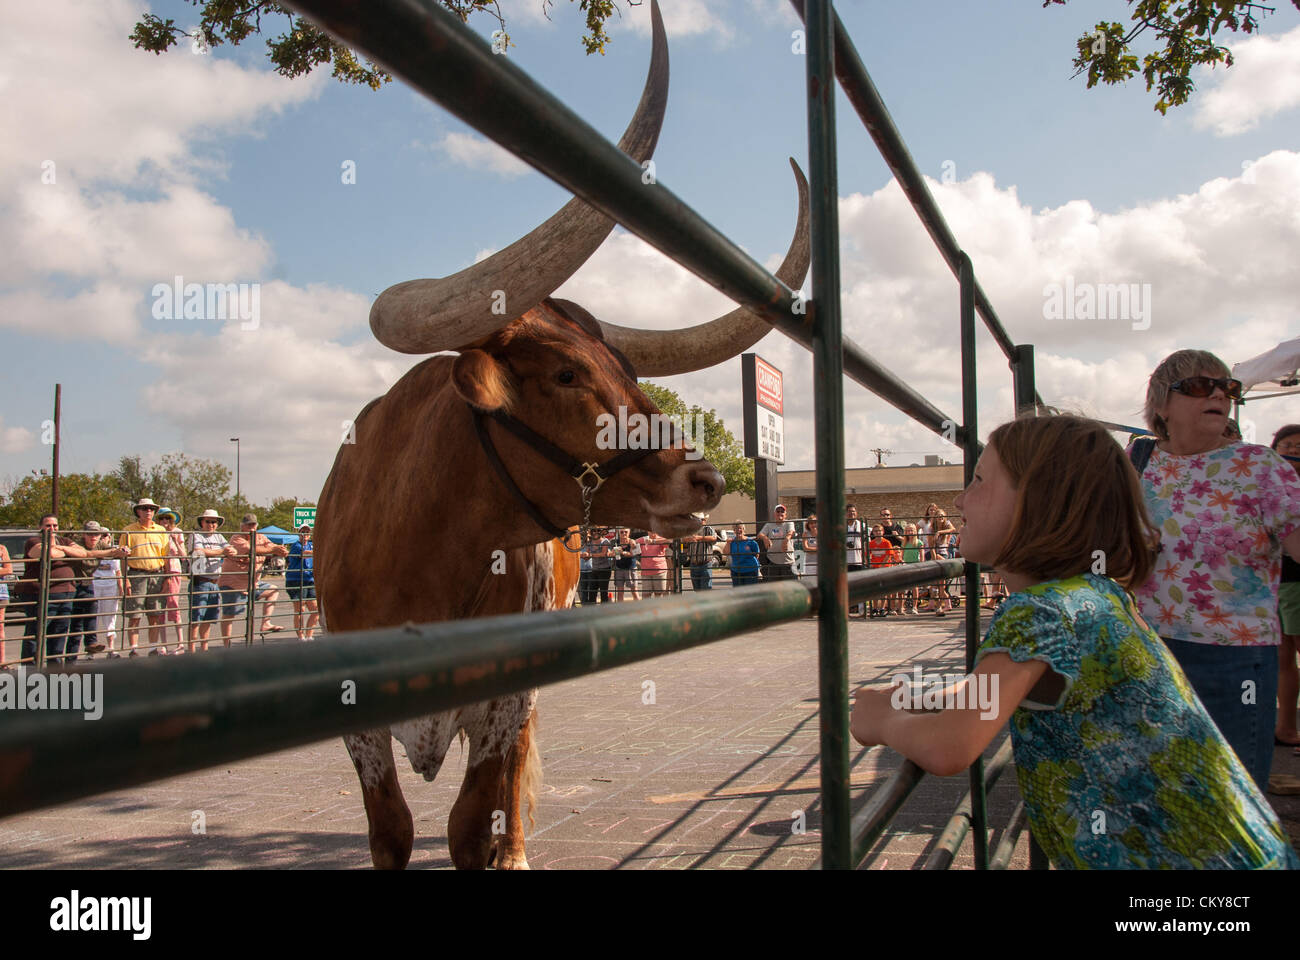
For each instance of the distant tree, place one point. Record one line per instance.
(280, 512)
(82, 497)
(131, 481)
(1186, 32)
(187, 484)
(302, 46)
(718, 444)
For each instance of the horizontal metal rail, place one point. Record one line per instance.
(168, 715)
(1007, 846)
(433, 52)
(958, 826)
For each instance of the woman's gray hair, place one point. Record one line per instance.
(1175, 367)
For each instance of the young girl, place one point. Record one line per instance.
(878, 556)
(1118, 763)
(911, 554)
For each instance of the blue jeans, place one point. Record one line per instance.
(701, 578)
(1224, 678)
(205, 601)
(743, 578)
(85, 618)
(57, 616)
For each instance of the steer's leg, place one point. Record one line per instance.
(519, 787)
(392, 833)
(478, 818)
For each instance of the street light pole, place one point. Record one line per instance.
(235, 441)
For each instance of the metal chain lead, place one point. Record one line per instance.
(588, 494)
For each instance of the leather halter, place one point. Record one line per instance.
(589, 476)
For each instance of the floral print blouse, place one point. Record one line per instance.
(1222, 518)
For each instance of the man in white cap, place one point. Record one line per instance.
(300, 584)
(148, 543)
(207, 550)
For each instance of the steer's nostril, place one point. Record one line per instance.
(708, 483)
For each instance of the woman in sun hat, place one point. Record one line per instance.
(1226, 511)
(170, 519)
(207, 550)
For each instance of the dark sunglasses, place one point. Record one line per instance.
(1204, 386)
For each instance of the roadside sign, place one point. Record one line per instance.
(303, 515)
(763, 406)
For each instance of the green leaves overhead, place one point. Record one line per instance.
(301, 47)
(1184, 37)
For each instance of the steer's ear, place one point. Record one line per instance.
(482, 381)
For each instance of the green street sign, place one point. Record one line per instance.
(303, 515)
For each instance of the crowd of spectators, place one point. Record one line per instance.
(149, 569)
(644, 564)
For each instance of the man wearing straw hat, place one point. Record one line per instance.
(207, 552)
(148, 543)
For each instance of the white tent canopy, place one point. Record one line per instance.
(1276, 372)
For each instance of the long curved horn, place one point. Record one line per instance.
(425, 316)
(661, 353)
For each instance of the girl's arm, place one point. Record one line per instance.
(946, 742)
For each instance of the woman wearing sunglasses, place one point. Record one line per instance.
(1226, 511)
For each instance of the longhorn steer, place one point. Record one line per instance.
(452, 464)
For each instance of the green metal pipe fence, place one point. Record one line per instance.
(168, 716)
(211, 710)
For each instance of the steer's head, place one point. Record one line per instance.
(556, 369)
(553, 371)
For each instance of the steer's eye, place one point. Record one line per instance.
(565, 376)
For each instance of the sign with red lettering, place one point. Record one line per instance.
(767, 384)
(763, 405)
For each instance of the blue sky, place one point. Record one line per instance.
(211, 167)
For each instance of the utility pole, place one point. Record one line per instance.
(880, 455)
(235, 441)
(54, 490)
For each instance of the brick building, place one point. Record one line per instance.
(906, 491)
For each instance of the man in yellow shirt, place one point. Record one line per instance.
(146, 571)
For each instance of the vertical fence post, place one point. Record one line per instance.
(1022, 372)
(970, 445)
(252, 588)
(43, 598)
(123, 566)
(1022, 378)
(828, 375)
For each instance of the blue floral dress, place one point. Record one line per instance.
(1119, 764)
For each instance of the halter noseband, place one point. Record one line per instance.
(589, 476)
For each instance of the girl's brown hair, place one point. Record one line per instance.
(1076, 493)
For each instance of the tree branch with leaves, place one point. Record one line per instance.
(302, 46)
(1187, 33)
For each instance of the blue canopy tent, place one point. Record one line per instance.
(278, 534)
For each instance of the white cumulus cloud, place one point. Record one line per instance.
(1263, 81)
(478, 153)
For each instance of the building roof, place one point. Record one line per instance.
(803, 483)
